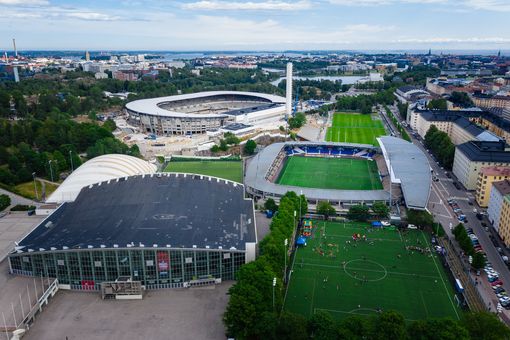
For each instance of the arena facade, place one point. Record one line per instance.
(196, 113)
(164, 230)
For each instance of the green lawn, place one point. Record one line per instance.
(231, 170)
(27, 189)
(355, 128)
(330, 173)
(366, 276)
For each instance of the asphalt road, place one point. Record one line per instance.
(438, 206)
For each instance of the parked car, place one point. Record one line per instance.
(497, 282)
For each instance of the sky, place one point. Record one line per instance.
(276, 25)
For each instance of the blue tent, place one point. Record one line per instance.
(301, 241)
(377, 224)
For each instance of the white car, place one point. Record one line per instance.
(385, 223)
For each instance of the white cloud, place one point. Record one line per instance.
(489, 5)
(250, 5)
(383, 2)
(445, 40)
(368, 28)
(24, 2)
(93, 16)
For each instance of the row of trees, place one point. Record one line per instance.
(466, 244)
(364, 103)
(51, 146)
(441, 146)
(252, 312)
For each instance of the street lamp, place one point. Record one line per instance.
(35, 187)
(51, 170)
(274, 284)
(71, 158)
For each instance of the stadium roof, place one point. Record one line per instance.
(177, 210)
(260, 164)
(151, 106)
(99, 169)
(410, 168)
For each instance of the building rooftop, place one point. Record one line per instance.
(495, 171)
(481, 151)
(503, 187)
(180, 210)
(410, 168)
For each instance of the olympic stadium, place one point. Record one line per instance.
(196, 113)
(342, 173)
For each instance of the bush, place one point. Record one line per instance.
(5, 201)
(22, 207)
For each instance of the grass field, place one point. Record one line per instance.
(355, 128)
(232, 170)
(330, 173)
(366, 276)
(27, 189)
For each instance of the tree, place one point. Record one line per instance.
(297, 121)
(461, 99)
(437, 104)
(292, 327)
(478, 261)
(5, 201)
(390, 325)
(380, 209)
(485, 326)
(432, 329)
(420, 218)
(231, 139)
(270, 204)
(325, 208)
(110, 125)
(250, 146)
(322, 326)
(359, 212)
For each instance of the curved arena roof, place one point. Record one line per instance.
(99, 169)
(410, 168)
(151, 106)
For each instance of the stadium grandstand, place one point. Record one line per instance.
(342, 173)
(196, 113)
(264, 172)
(163, 230)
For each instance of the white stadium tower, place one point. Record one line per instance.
(196, 113)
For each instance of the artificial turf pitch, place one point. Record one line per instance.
(330, 173)
(231, 170)
(355, 128)
(364, 277)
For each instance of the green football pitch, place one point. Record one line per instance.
(231, 170)
(366, 276)
(330, 173)
(355, 128)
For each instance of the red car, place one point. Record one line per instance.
(497, 282)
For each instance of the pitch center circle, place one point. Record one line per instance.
(365, 270)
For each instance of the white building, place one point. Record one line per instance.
(498, 191)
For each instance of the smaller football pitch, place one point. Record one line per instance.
(382, 270)
(330, 173)
(355, 128)
(231, 170)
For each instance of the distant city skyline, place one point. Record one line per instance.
(269, 25)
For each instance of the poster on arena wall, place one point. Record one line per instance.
(163, 263)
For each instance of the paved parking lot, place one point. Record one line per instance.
(13, 227)
(194, 313)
